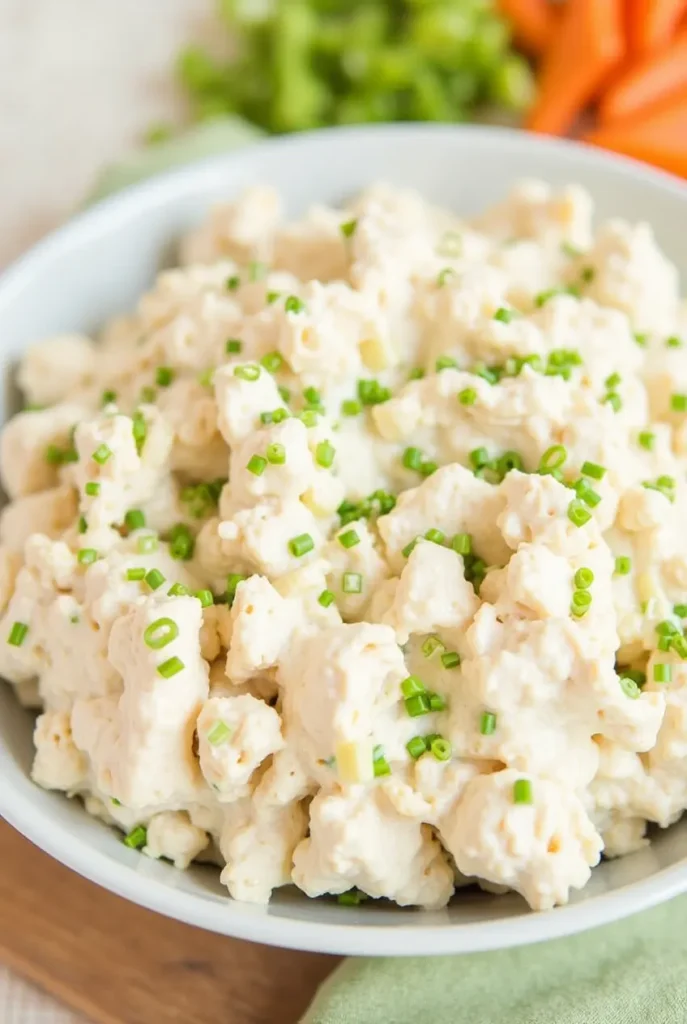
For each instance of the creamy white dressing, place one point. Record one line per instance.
(287, 574)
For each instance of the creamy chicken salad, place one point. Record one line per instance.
(355, 557)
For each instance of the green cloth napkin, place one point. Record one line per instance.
(632, 972)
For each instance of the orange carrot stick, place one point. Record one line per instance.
(652, 80)
(532, 22)
(588, 44)
(653, 22)
(657, 135)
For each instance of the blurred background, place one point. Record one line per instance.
(85, 82)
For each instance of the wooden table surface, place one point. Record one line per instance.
(120, 964)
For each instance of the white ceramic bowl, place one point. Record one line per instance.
(97, 266)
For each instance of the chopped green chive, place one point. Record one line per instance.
(380, 765)
(504, 315)
(412, 458)
(522, 791)
(629, 687)
(205, 597)
(276, 454)
(431, 645)
(673, 342)
(233, 282)
(348, 228)
(301, 545)
(326, 598)
(462, 543)
(678, 403)
(680, 610)
(412, 685)
(479, 457)
(17, 634)
(436, 702)
(308, 417)
(679, 645)
(249, 371)
(87, 556)
(171, 667)
(139, 429)
(92, 489)
(666, 628)
(294, 305)
(410, 546)
(134, 519)
(581, 603)
(349, 539)
(508, 461)
(663, 673)
(219, 733)
(108, 397)
(418, 705)
(416, 747)
(160, 633)
(614, 400)
(665, 485)
(324, 454)
(350, 407)
(181, 542)
(82, 525)
(371, 392)
(578, 514)
(588, 274)
(135, 574)
(233, 580)
(451, 659)
(445, 363)
(164, 375)
(646, 439)
(352, 583)
(641, 338)
(487, 723)
(154, 578)
(351, 898)
(233, 346)
(102, 454)
(468, 396)
(445, 275)
(137, 838)
(273, 362)
(178, 590)
(584, 578)
(146, 545)
(435, 536)
(54, 456)
(440, 748)
(593, 470)
(256, 465)
(612, 381)
(428, 466)
(623, 565)
(148, 394)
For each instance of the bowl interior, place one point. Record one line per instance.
(98, 266)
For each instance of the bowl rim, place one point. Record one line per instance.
(246, 921)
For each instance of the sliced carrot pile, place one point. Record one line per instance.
(650, 81)
(532, 21)
(588, 44)
(657, 135)
(651, 23)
